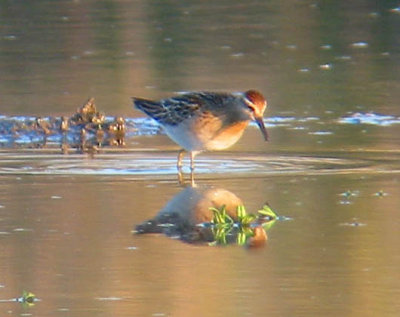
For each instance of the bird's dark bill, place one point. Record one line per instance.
(260, 123)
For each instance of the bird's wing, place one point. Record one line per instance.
(171, 111)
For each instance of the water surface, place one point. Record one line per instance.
(330, 72)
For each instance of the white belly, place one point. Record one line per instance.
(209, 137)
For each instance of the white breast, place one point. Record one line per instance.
(183, 135)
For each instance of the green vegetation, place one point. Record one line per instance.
(27, 298)
(242, 229)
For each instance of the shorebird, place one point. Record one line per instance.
(205, 121)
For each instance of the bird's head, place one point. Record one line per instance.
(256, 104)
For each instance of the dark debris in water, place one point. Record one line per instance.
(85, 131)
(380, 193)
(353, 224)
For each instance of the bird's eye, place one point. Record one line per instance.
(250, 107)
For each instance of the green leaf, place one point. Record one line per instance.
(217, 216)
(220, 236)
(268, 212)
(241, 212)
(268, 225)
(28, 297)
(241, 238)
(248, 219)
(220, 216)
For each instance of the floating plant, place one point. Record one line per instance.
(247, 228)
(26, 299)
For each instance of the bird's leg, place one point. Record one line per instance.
(180, 178)
(192, 183)
(181, 154)
(192, 155)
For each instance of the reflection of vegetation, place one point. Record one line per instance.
(268, 217)
(245, 229)
(222, 224)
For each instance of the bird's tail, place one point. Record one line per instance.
(149, 107)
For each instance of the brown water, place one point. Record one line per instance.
(330, 72)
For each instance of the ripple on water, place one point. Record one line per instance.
(369, 118)
(161, 164)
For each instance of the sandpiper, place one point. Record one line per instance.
(201, 121)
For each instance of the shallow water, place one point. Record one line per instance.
(331, 169)
(68, 239)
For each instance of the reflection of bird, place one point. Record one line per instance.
(189, 214)
(259, 237)
(200, 121)
(189, 208)
(192, 205)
